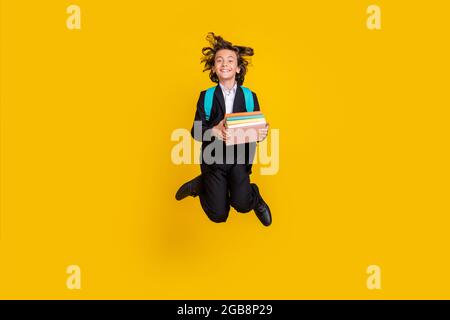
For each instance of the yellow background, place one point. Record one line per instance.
(87, 179)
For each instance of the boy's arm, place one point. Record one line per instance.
(200, 118)
(256, 103)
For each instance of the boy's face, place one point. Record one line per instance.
(225, 64)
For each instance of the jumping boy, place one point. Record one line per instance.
(226, 181)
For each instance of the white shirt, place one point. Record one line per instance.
(229, 97)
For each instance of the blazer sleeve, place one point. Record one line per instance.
(255, 101)
(200, 118)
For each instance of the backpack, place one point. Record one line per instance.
(209, 95)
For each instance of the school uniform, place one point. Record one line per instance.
(226, 181)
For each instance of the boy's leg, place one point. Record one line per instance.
(214, 192)
(243, 197)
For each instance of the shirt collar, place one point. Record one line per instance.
(232, 89)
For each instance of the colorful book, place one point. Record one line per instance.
(243, 126)
(241, 122)
(248, 124)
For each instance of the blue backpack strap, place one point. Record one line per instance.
(209, 96)
(248, 96)
(208, 102)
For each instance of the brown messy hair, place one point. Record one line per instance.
(218, 43)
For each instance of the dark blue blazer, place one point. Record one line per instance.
(218, 113)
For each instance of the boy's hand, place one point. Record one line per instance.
(220, 131)
(262, 133)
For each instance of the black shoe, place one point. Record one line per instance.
(262, 210)
(190, 188)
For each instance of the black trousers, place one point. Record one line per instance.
(225, 185)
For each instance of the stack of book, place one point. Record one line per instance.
(243, 126)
